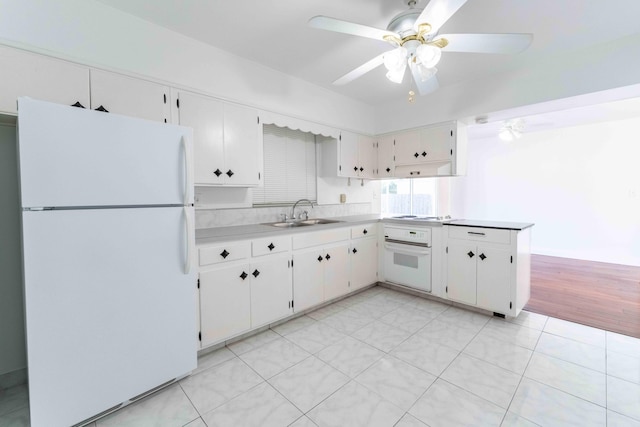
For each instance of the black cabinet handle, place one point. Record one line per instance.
(328, 257)
(361, 169)
(482, 257)
(255, 273)
(424, 154)
(224, 254)
(101, 108)
(471, 254)
(354, 250)
(319, 258)
(271, 246)
(77, 104)
(416, 155)
(388, 170)
(217, 172)
(355, 169)
(229, 173)
(243, 275)
(474, 233)
(364, 231)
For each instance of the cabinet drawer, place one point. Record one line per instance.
(272, 245)
(224, 253)
(308, 240)
(493, 235)
(365, 230)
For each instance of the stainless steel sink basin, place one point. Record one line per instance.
(303, 223)
(288, 224)
(319, 221)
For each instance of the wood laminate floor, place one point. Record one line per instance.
(605, 296)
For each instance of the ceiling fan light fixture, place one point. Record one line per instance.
(396, 76)
(428, 55)
(396, 59)
(425, 73)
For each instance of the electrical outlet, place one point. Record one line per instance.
(343, 198)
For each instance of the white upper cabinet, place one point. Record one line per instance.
(352, 156)
(227, 140)
(386, 164)
(129, 96)
(437, 150)
(40, 77)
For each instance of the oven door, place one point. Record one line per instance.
(408, 265)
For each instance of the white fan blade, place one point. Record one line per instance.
(361, 70)
(437, 13)
(427, 86)
(331, 24)
(487, 43)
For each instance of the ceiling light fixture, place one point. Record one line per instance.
(421, 57)
(511, 130)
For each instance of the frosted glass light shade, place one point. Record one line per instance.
(428, 55)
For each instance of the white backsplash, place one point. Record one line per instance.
(209, 218)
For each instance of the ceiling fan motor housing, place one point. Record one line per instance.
(402, 23)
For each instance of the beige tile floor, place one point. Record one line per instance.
(385, 358)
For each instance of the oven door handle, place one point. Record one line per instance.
(407, 249)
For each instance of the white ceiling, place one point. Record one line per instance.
(275, 33)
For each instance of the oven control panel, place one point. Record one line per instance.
(417, 235)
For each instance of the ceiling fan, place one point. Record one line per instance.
(417, 44)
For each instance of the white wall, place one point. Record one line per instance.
(92, 33)
(12, 339)
(579, 185)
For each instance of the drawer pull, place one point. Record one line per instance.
(328, 257)
(416, 155)
(319, 258)
(364, 231)
(355, 169)
(471, 254)
(243, 275)
(224, 254)
(255, 273)
(217, 172)
(354, 250)
(229, 173)
(475, 233)
(482, 257)
(424, 154)
(271, 246)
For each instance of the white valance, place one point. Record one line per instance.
(280, 120)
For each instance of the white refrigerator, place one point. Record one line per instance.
(108, 239)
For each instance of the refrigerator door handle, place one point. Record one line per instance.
(187, 265)
(188, 171)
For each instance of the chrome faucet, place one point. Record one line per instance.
(293, 208)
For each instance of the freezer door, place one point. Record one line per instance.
(75, 157)
(110, 311)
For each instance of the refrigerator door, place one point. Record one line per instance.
(110, 310)
(71, 157)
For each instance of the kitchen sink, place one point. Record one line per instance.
(302, 223)
(287, 224)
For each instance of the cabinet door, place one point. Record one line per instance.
(130, 97)
(336, 271)
(206, 117)
(407, 146)
(348, 163)
(40, 77)
(386, 164)
(436, 143)
(493, 280)
(364, 263)
(308, 277)
(225, 303)
(242, 146)
(271, 292)
(461, 271)
(366, 157)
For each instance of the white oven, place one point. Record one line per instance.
(407, 256)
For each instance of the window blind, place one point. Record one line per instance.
(289, 166)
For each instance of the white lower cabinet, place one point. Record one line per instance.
(336, 270)
(488, 268)
(271, 293)
(364, 263)
(308, 279)
(225, 303)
